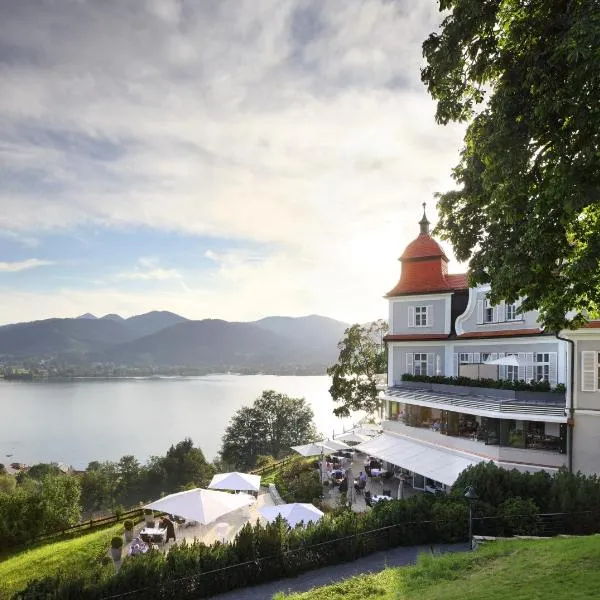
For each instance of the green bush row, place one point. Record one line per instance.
(501, 384)
(511, 500)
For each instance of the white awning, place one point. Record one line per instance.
(439, 465)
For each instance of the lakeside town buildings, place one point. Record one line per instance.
(438, 326)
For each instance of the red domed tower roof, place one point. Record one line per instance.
(425, 267)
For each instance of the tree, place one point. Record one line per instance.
(185, 464)
(362, 356)
(526, 78)
(273, 424)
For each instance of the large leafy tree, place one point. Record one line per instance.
(273, 424)
(362, 356)
(525, 76)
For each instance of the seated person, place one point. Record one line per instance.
(138, 547)
(337, 476)
(167, 524)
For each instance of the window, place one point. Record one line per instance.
(511, 312)
(420, 316)
(463, 358)
(485, 356)
(488, 312)
(420, 364)
(542, 366)
(590, 370)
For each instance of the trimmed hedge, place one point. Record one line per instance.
(509, 500)
(500, 384)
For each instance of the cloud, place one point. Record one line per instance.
(301, 127)
(23, 265)
(147, 269)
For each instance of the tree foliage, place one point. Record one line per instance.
(362, 356)
(526, 78)
(270, 426)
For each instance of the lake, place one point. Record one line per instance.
(81, 421)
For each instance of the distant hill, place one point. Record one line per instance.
(55, 337)
(87, 316)
(162, 338)
(154, 321)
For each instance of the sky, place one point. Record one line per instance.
(219, 159)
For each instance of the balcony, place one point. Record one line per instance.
(506, 456)
(481, 401)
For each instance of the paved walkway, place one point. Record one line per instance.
(369, 564)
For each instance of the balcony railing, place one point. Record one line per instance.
(479, 403)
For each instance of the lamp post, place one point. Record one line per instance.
(471, 496)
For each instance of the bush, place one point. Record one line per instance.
(519, 516)
(128, 524)
(503, 384)
(116, 542)
(298, 481)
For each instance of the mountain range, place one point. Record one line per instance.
(165, 339)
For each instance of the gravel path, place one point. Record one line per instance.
(368, 564)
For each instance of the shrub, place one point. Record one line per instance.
(518, 516)
(503, 384)
(128, 524)
(116, 542)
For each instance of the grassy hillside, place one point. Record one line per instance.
(561, 569)
(48, 559)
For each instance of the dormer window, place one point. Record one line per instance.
(488, 312)
(420, 316)
(511, 312)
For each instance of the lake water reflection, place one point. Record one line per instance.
(77, 422)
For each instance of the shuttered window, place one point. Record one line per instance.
(589, 371)
(420, 363)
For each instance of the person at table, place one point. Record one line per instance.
(167, 524)
(362, 477)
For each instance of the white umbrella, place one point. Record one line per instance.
(512, 361)
(204, 506)
(335, 444)
(314, 449)
(353, 436)
(292, 513)
(235, 481)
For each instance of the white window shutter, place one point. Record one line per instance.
(553, 369)
(502, 311)
(501, 368)
(495, 314)
(589, 382)
(455, 364)
(411, 316)
(430, 316)
(479, 312)
(494, 356)
(438, 365)
(476, 357)
(522, 369)
(470, 356)
(410, 363)
(430, 363)
(529, 366)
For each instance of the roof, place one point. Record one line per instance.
(415, 336)
(424, 246)
(427, 277)
(458, 281)
(501, 333)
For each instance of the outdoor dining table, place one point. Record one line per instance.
(380, 498)
(153, 534)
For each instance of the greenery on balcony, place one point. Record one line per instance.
(501, 384)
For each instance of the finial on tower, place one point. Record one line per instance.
(424, 223)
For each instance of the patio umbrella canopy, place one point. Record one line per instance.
(235, 481)
(335, 444)
(313, 449)
(292, 513)
(353, 436)
(204, 506)
(512, 361)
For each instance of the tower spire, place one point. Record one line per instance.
(424, 223)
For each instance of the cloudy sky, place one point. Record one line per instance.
(216, 158)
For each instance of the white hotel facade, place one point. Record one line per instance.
(440, 326)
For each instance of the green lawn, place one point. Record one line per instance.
(561, 569)
(47, 559)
